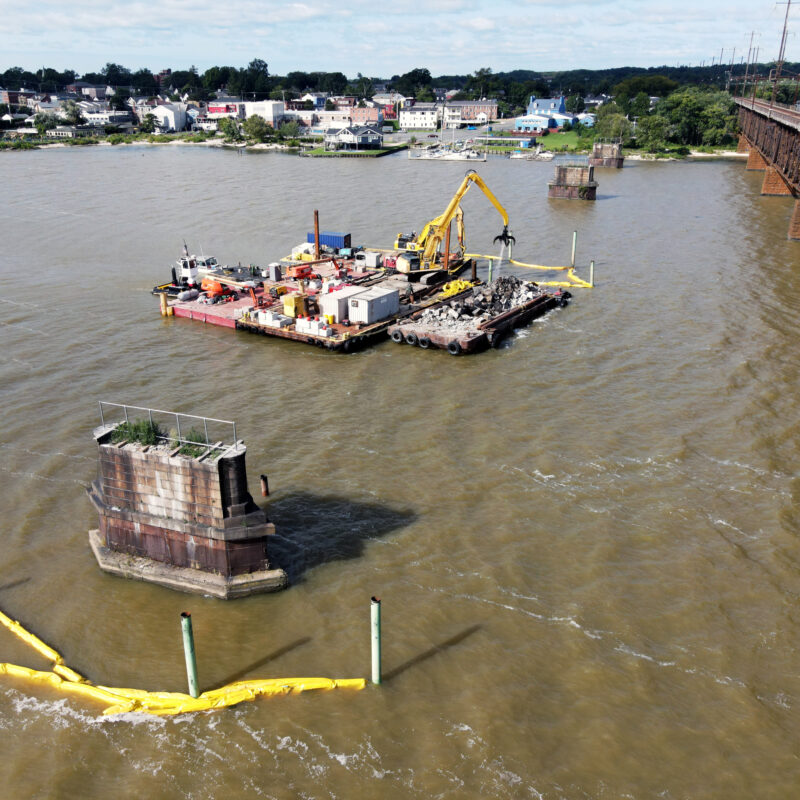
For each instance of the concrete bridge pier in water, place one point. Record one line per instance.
(771, 138)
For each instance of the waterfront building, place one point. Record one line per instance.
(547, 106)
(353, 138)
(370, 115)
(424, 116)
(272, 111)
(170, 116)
(534, 123)
(225, 107)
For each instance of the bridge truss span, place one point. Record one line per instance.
(770, 134)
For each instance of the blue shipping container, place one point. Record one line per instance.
(330, 239)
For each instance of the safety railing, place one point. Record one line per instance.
(189, 429)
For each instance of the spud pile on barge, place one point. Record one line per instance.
(478, 317)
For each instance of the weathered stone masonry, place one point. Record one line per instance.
(190, 513)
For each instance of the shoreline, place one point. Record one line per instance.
(283, 148)
(693, 154)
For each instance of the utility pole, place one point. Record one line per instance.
(730, 71)
(782, 51)
(747, 69)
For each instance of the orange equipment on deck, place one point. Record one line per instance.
(300, 271)
(214, 288)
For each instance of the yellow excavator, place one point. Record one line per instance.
(430, 238)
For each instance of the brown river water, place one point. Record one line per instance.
(586, 541)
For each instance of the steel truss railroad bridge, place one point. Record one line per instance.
(770, 134)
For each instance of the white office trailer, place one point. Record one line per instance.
(335, 303)
(374, 305)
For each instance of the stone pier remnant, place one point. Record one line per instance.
(607, 154)
(178, 513)
(573, 182)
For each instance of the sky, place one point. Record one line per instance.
(445, 36)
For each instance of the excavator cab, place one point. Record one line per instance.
(406, 241)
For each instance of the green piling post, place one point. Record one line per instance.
(574, 246)
(188, 649)
(375, 610)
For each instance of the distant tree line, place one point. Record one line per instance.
(512, 89)
(693, 108)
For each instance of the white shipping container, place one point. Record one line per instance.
(374, 305)
(336, 302)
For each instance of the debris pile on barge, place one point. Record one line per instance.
(482, 304)
(478, 317)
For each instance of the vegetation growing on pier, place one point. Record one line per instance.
(143, 431)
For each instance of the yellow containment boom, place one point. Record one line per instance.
(574, 281)
(120, 701)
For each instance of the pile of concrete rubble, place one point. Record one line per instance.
(469, 311)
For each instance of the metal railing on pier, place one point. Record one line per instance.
(189, 429)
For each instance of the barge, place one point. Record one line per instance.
(478, 317)
(339, 307)
(338, 297)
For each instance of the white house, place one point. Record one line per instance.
(389, 98)
(169, 117)
(316, 98)
(332, 119)
(452, 117)
(351, 138)
(272, 111)
(107, 117)
(423, 116)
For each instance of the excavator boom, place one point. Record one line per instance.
(430, 238)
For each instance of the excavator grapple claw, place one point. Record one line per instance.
(505, 237)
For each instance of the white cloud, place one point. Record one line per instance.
(479, 24)
(446, 36)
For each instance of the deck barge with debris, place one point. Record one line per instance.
(478, 317)
(332, 295)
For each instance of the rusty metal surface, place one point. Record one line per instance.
(775, 133)
(182, 550)
(197, 502)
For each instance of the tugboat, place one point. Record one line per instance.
(185, 274)
(189, 271)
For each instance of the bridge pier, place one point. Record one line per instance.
(755, 161)
(771, 139)
(774, 185)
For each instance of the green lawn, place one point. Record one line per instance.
(569, 141)
(321, 151)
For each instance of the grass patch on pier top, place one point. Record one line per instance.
(189, 447)
(141, 431)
